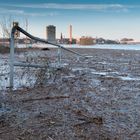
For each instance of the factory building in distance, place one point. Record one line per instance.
(51, 33)
(84, 40)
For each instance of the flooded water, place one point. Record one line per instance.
(115, 47)
(105, 46)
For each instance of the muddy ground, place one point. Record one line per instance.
(88, 99)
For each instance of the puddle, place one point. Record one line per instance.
(110, 74)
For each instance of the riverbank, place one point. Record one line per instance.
(95, 98)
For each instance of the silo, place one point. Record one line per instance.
(51, 33)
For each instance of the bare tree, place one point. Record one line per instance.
(6, 25)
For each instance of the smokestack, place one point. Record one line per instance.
(70, 34)
(61, 38)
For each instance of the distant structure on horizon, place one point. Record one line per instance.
(70, 33)
(51, 33)
(106, 41)
(85, 40)
(127, 41)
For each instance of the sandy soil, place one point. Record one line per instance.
(90, 99)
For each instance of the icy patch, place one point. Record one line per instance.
(88, 56)
(129, 78)
(95, 83)
(69, 76)
(58, 65)
(114, 74)
(104, 63)
(99, 73)
(78, 69)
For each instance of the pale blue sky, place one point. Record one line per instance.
(111, 19)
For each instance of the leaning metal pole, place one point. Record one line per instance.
(12, 47)
(59, 56)
(12, 57)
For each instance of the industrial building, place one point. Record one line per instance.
(84, 40)
(51, 33)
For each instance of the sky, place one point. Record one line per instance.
(110, 19)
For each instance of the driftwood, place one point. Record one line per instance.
(45, 98)
(96, 120)
(87, 119)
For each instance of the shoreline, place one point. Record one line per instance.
(22, 48)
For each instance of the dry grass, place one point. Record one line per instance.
(4, 49)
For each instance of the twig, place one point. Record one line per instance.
(50, 138)
(6, 131)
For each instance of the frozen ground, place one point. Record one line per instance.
(95, 98)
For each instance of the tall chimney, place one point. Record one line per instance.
(70, 39)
